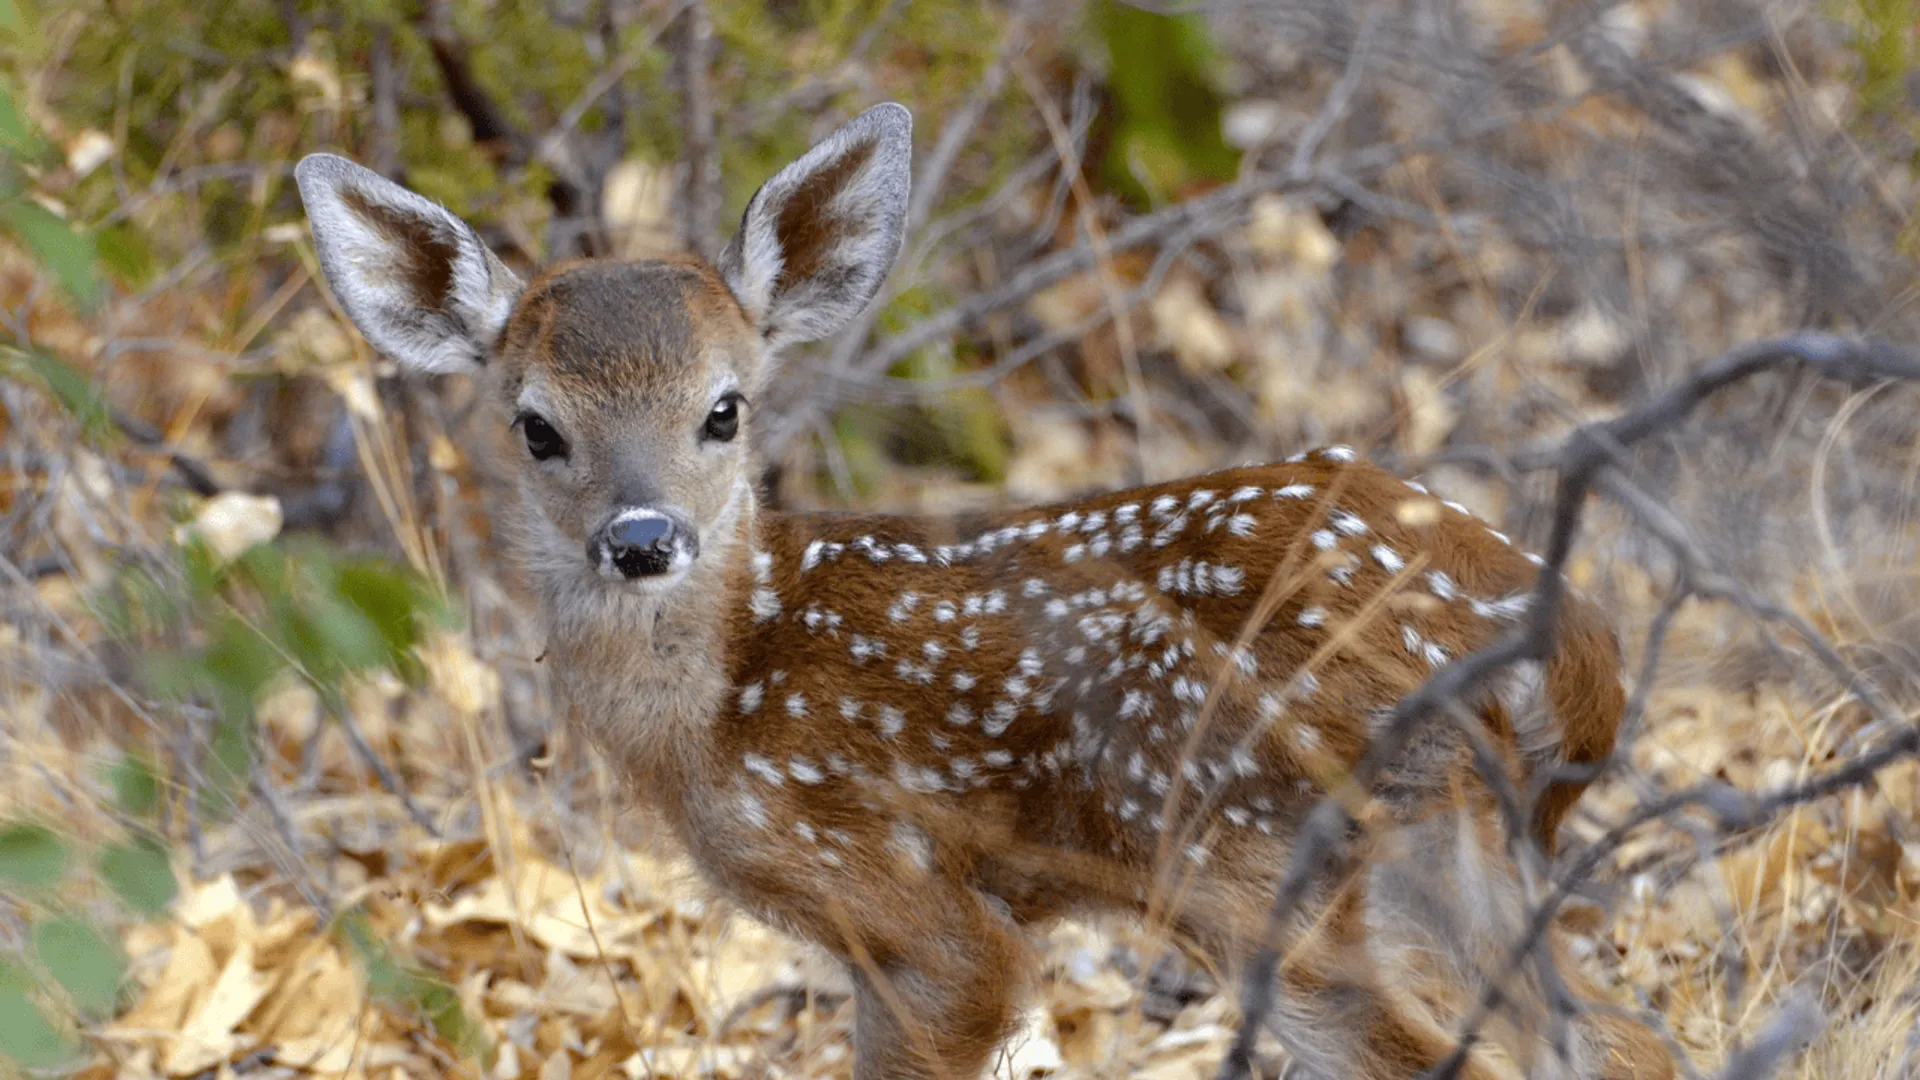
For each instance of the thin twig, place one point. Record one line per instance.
(1325, 839)
(700, 202)
(383, 772)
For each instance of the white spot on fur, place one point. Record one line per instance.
(1511, 607)
(1411, 639)
(1228, 580)
(915, 845)
(1388, 558)
(1347, 522)
(902, 609)
(763, 768)
(751, 809)
(764, 603)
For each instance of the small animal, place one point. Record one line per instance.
(912, 741)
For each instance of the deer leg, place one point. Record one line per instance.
(1329, 1010)
(935, 1004)
(1339, 1015)
(1439, 924)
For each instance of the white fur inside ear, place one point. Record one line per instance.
(817, 240)
(412, 276)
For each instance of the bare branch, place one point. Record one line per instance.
(700, 192)
(1325, 840)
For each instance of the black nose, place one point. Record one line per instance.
(641, 543)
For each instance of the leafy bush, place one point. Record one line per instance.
(211, 631)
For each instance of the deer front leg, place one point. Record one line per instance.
(937, 1006)
(937, 967)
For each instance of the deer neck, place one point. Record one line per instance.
(645, 675)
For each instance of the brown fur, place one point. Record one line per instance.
(808, 235)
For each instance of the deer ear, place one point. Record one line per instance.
(818, 239)
(413, 277)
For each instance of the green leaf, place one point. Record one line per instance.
(26, 1037)
(397, 601)
(82, 961)
(13, 22)
(390, 980)
(30, 856)
(125, 252)
(229, 759)
(15, 136)
(69, 386)
(1166, 112)
(68, 254)
(240, 661)
(140, 874)
(136, 790)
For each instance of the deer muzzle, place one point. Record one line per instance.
(641, 542)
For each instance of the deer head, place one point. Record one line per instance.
(626, 385)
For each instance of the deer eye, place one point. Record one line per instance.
(543, 442)
(723, 423)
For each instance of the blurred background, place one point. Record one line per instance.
(280, 789)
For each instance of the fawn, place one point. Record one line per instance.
(908, 741)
